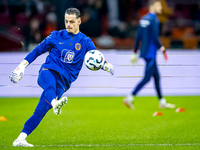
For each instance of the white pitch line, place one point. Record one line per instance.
(117, 145)
(112, 145)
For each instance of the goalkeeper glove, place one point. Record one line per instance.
(134, 59)
(109, 68)
(18, 73)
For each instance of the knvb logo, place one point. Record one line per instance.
(77, 46)
(67, 56)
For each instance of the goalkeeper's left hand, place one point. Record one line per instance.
(134, 59)
(18, 73)
(109, 68)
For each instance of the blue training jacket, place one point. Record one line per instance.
(148, 33)
(66, 53)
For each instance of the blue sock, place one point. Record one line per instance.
(40, 111)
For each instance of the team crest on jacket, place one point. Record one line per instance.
(67, 56)
(77, 46)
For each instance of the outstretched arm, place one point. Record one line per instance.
(18, 73)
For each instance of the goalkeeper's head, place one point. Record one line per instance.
(155, 6)
(72, 20)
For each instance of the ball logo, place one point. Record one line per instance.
(67, 56)
(77, 46)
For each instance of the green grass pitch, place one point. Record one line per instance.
(105, 123)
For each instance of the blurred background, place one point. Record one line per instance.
(104, 123)
(111, 24)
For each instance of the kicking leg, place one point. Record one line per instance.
(58, 104)
(47, 80)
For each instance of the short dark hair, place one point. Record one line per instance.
(71, 11)
(152, 2)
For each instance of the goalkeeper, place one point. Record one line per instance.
(147, 32)
(67, 49)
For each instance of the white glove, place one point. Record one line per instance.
(18, 73)
(134, 59)
(109, 68)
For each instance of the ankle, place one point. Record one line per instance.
(53, 102)
(162, 101)
(130, 98)
(22, 136)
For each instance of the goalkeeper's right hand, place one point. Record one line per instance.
(134, 59)
(18, 73)
(109, 68)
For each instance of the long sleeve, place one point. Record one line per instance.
(43, 47)
(90, 45)
(155, 34)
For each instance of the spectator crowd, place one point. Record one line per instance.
(110, 23)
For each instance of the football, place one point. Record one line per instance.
(94, 60)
